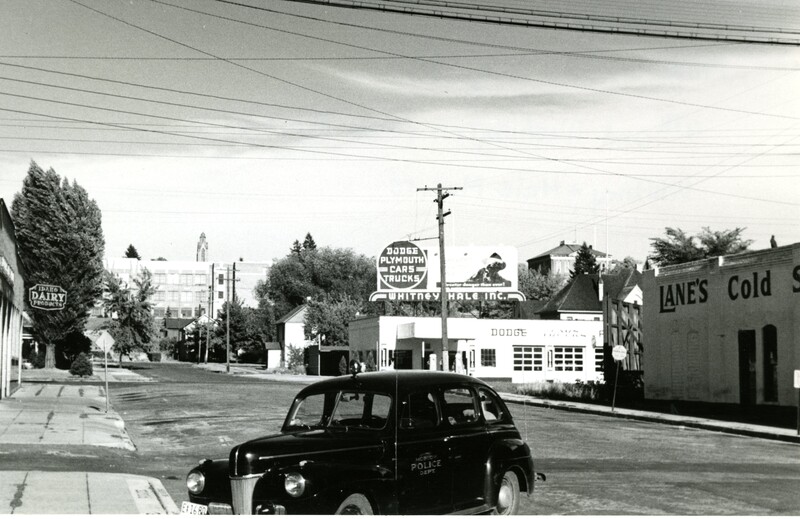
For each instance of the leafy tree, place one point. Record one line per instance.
(627, 262)
(60, 239)
(133, 327)
(319, 272)
(69, 347)
(328, 317)
(537, 286)
(722, 243)
(679, 247)
(245, 334)
(131, 252)
(585, 262)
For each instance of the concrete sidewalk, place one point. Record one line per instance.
(36, 492)
(115, 374)
(258, 371)
(69, 414)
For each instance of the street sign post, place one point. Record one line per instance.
(797, 386)
(619, 353)
(105, 341)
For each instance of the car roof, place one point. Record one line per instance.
(387, 381)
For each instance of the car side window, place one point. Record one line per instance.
(363, 410)
(492, 410)
(419, 411)
(460, 406)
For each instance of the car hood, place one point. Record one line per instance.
(257, 456)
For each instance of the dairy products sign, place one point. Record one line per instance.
(408, 271)
(47, 297)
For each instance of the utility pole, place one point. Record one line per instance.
(209, 312)
(228, 280)
(440, 196)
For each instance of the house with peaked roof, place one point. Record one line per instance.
(561, 259)
(582, 298)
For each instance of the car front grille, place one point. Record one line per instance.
(242, 494)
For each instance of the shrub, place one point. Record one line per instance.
(581, 391)
(295, 359)
(37, 359)
(81, 366)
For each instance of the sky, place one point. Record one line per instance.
(258, 125)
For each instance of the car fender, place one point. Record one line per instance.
(508, 454)
(329, 483)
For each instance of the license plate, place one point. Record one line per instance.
(188, 508)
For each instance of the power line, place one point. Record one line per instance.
(644, 29)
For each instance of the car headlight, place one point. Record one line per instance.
(295, 484)
(195, 482)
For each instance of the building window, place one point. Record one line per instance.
(160, 296)
(186, 297)
(172, 278)
(160, 279)
(770, 337)
(159, 312)
(186, 312)
(598, 359)
(200, 279)
(567, 358)
(220, 295)
(489, 358)
(528, 358)
(221, 279)
(174, 296)
(186, 279)
(472, 359)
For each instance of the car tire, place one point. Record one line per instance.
(508, 495)
(355, 504)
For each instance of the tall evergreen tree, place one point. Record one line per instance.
(60, 239)
(585, 262)
(131, 252)
(309, 243)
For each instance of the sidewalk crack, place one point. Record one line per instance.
(16, 501)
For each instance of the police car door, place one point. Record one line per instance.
(468, 443)
(424, 471)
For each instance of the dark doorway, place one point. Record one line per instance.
(770, 334)
(747, 367)
(402, 359)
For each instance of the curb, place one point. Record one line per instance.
(756, 431)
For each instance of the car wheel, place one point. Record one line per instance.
(508, 495)
(355, 504)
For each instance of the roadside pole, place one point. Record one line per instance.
(619, 353)
(105, 362)
(105, 341)
(797, 386)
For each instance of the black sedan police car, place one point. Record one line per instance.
(393, 442)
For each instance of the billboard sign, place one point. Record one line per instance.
(47, 297)
(409, 271)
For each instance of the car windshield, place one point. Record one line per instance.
(348, 409)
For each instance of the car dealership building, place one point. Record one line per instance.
(519, 350)
(724, 330)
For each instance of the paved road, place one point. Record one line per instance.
(595, 465)
(598, 465)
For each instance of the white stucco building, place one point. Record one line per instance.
(519, 350)
(724, 330)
